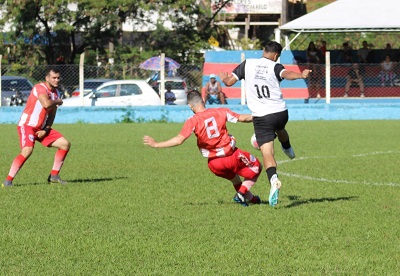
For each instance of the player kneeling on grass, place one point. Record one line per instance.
(224, 158)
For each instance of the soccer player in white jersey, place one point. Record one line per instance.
(36, 123)
(264, 99)
(214, 142)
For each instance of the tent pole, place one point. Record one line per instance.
(290, 42)
(278, 35)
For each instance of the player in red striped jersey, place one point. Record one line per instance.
(224, 158)
(36, 123)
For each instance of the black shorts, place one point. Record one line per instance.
(266, 126)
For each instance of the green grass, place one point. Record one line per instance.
(132, 210)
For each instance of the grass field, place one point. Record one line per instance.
(132, 210)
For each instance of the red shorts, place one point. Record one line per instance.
(27, 137)
(239, 162)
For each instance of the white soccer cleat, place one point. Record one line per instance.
(274, 192)
(289, 152)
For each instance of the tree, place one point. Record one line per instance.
(93, 22)
(52, 27)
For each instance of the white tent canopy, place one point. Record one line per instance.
(350, 16)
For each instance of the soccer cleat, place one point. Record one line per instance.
(289, 152)
(6, 183)
(258, 200)
(239, 198)
(56, 179)
(274, 192)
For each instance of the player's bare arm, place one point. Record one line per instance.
(49, 122)
(291, 75)
(245, 118)
(219, 87)
(174, 141)
(227, 79)
(48, 103)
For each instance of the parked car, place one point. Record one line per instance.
(14, 87)
(178, 86)
(89, 85)
(118, 93)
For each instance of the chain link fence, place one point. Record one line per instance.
(354, 80)
(192, 75)
(367, 80)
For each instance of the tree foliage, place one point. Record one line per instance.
(51, 27)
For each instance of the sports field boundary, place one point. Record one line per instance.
(315, 109)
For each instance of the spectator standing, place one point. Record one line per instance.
(312, 53)
(214, 92)
(388, 51)
(36, 123)
(313, 59)
(387, 74)
(363, 53)
(269, 110)
(224, 158)
(346, 53)
(354, 76)
(322, 50)
(170, 97)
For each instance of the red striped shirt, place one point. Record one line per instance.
(210, 129)
(34, 114)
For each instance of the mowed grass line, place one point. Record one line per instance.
(132, 210)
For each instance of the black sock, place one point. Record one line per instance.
(286, 145)
(270, 172)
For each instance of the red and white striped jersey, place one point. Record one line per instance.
(34, 114)
(210, 129)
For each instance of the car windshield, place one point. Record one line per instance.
(17, 84)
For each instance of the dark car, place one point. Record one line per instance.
(89, 85)
(14, 85)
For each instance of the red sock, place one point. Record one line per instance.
(243, 189)
(16, 166)
(58, 161)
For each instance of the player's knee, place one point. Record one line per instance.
(64, 144)
(27, 151)
(67, 145)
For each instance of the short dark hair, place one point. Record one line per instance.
(194, 97)
(51, 69)
(273, 47)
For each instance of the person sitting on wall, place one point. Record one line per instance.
(214, 92)
(387, 75)
(354, 76)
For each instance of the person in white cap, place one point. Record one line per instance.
(214, 92)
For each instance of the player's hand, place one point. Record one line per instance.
(305, 73)
(223, 75)
(147, 140)
(40, 134)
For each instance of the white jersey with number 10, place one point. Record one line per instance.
(262, 77)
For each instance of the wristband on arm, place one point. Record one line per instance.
(47, 130)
